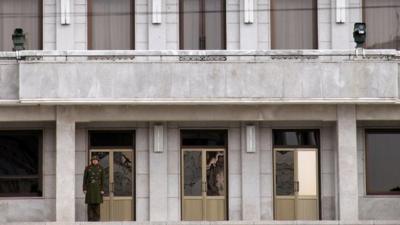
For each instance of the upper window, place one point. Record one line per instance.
(382, 161)
(296, 138)
(25, 14)
(210, 138)
(202, 24)
(100, 139)
(294, 24)
(382, 20)
(111, 24)
(20, 163)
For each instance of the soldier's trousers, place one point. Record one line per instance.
(93, 212)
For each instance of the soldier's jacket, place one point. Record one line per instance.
(93, 180)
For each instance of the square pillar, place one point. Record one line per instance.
(65, 165)
(157, 25)
(248, 31)
(64, 32)
(250, 177)
(347, 162)
(158, 176)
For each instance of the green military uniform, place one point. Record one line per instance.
(93, 180)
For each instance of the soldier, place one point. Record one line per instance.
(93, 179)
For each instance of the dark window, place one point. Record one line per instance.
(296, 138)
(20, 163)
(111, 139)
(383, 27)
(111, 24)
(383, 161)
(209, 138)
(25, 14)
(294, 24)
(202, 24)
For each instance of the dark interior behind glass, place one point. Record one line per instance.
(296, 138)
(111, 139)
(20, 163)
(210, 138)
(383, 162)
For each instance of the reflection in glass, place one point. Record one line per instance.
(215, 173)
(104, 161)
(192, 173)
(122, 173)
(306, 172)
(284, 173)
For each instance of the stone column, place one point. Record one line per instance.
(65, 165)
(158, 180)
(347, 162)
(250, 180)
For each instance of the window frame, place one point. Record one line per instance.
(39, 133)
(375, 131)
(201, 25)
(315, 23)
(89, 17)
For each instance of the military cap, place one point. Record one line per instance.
(95, 157)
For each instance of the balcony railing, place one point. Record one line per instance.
(202, 55)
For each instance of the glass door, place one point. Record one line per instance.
(118, 185)
(204, 184)
(296, 184)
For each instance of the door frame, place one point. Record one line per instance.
(111, 152)
(204, 174)
(318, 176)
(89, 130)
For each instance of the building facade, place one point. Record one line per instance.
(199, 110)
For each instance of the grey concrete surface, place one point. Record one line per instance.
(65, 166)
(9, 81)
(209, 82)
(347, 166)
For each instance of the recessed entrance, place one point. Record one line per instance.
(203, 175)
(118, 199)
(296, 180)
(116, 156)
(204, 184)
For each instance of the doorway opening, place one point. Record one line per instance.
(296, 175)
(115, 150)
(204, 175)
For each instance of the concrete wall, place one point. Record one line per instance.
(297, 81)
(27, 209)
(9, 81)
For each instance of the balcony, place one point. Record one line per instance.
(199, 77)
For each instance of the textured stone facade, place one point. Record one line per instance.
(67, 91)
